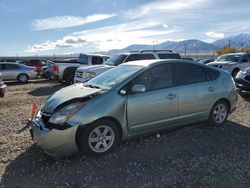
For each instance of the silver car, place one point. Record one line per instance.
(132, 99)
(16, 71)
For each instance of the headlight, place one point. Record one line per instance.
(65, 113)
(90, 75)
(242, 73)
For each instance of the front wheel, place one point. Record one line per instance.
(99, 138)
(219, 113)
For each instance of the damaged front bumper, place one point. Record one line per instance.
(57, 143)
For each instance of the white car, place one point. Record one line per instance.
(84, 74)
(233, 62)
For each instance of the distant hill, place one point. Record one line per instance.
(235, 41)
(191, 45)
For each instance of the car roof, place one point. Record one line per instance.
(234, 54)
(146, 63)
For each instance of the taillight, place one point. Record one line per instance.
(56, 69)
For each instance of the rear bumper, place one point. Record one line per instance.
(56, 143)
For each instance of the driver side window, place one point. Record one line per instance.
(157, 77)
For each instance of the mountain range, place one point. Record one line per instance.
(191, 45)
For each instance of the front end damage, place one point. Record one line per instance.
(54, 142)
(59, 139)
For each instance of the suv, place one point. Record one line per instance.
(84, 74)
(232, 62)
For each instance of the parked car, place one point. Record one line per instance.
(132, 99)
(40, 65)
(205, 61)
(2, 86)
(16, 71)
(65, 70)
(242, 82)
(232, 62)
(84, 74)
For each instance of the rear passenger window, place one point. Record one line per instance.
(135, 57)
(189, 73)
(211, 74)
(96, 60)
(158, 77)
(169, 56)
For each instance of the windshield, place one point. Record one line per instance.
(232, 58)
(115, 60)
(111, 78)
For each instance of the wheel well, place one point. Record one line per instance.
(235, 69)
(227, 101)
(81, 128)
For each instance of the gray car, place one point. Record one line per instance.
(132, 99)
(16, 71)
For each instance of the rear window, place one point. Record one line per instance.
(169, 56)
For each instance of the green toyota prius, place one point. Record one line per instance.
(132, 99)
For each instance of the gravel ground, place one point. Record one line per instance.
(194, 156)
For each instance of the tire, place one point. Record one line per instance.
(219, 118)
(23, 78)
(234, 73)
(69, 80)
(94, 142)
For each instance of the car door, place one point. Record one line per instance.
(9, 71)
(157, 106)
(196, 91)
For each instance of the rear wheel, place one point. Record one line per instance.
(23, 78)
(99, 138)
(219, 113)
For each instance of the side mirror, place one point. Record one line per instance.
(138, 88)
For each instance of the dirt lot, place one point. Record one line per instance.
(194, 156)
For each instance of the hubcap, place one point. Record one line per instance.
(101, 139)
(22, 78)
(220, 113)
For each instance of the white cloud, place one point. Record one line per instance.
(215, 35)
(165, 25)
(110, 37)
(167, 8)
(67, 21)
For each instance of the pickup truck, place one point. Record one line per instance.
(83, 74)
(232, 63)
(64, 70)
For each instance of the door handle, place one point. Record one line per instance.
(211, 89)
(171, 96)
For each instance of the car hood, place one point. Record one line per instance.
(92, 68)
(221, 62)
(66, 94)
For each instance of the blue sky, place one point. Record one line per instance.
(30, 27)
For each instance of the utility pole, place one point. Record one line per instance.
(153, 45)
(229, 45)
(185, 48)
(242, 47)
(196, 50)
